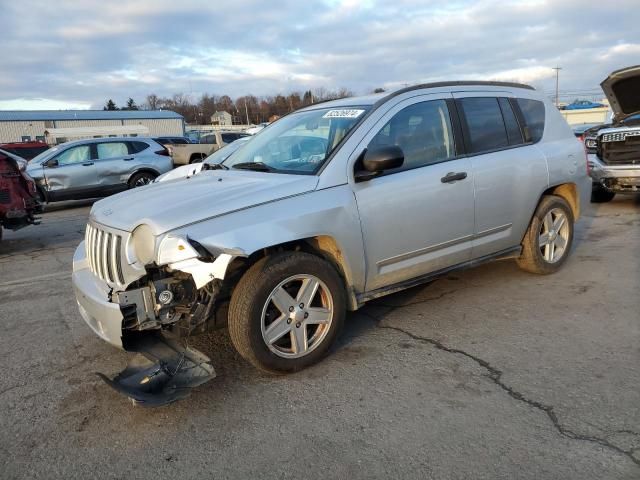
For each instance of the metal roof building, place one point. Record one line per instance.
(27, 125)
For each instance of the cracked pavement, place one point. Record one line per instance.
(488, 373)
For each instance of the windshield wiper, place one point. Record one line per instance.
(214, 166)
(257, 166)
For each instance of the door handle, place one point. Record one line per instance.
(87, 164)
(453, 176)
(128, 159)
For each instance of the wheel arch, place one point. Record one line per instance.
(323, 246)
(567, 191)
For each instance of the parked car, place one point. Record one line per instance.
(209, 143)
(582, 105)
(330, 207)
(26, 150)
(614, 150)
(210, 163)
(18, 197)
(97, 167)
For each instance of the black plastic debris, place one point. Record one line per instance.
(161, 372)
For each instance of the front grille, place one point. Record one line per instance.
(5, 196)
(625, 151)
(104, 252)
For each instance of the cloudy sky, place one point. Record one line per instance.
(78, 53)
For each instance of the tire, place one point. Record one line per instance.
(600, 194)
(254, 316)
(141, 179)
(536, 257)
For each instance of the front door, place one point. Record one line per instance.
(418, 218)
(71, 174)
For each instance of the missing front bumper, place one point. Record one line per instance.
(161, 372)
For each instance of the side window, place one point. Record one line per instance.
(112, 150)
(423, 132)
(74, 155)
(533, 113)
(208, 139)
(486, 130)
(514, 134)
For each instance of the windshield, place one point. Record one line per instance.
(298, 143)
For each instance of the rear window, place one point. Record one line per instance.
(533, 113)
(137, 147)
(486, 129)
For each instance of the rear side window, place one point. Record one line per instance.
(514, 134)
(137, 147)
(533, 113)
(208, 139)
(485, 126)
(112, 150)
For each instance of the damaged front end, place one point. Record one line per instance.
(154, 315)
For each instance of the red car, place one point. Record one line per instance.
(18, 196)
(26, 150)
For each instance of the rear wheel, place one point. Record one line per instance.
(548, 240)
(141, 179)
(287, 311)
(601, 195)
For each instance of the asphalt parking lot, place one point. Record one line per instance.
(489, 373)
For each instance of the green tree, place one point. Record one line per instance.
(131, 105)
(111, 105)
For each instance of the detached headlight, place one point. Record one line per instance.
(142, 245)
(175, 249)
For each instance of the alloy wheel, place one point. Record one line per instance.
(297, 316)
(554, 235)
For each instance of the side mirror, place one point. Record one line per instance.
(378, 160)
(51, 163)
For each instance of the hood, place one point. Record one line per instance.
(622, 88)
(180, 172)
(172, 204)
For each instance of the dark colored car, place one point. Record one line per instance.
(18, 195)
(26, 150)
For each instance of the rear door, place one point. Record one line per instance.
(509, 173)
(71, 174)
(114, 162)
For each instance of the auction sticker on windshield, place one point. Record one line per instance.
(343, 113)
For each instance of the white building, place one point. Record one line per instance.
(221, 118)
(28, 125)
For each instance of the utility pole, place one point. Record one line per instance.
(246, 111)
(557, 69)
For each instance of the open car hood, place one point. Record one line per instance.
(622, 88)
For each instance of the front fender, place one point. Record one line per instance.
(330, 213)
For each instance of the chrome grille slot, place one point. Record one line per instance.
(104, 254)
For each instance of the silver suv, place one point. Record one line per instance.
(97, 167)
(327, 208)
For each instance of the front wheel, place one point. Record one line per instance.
(548, 240)
(286, 311)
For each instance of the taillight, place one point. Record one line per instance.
(164, 152)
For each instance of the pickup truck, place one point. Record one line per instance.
(614, 150)
(184, 154)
